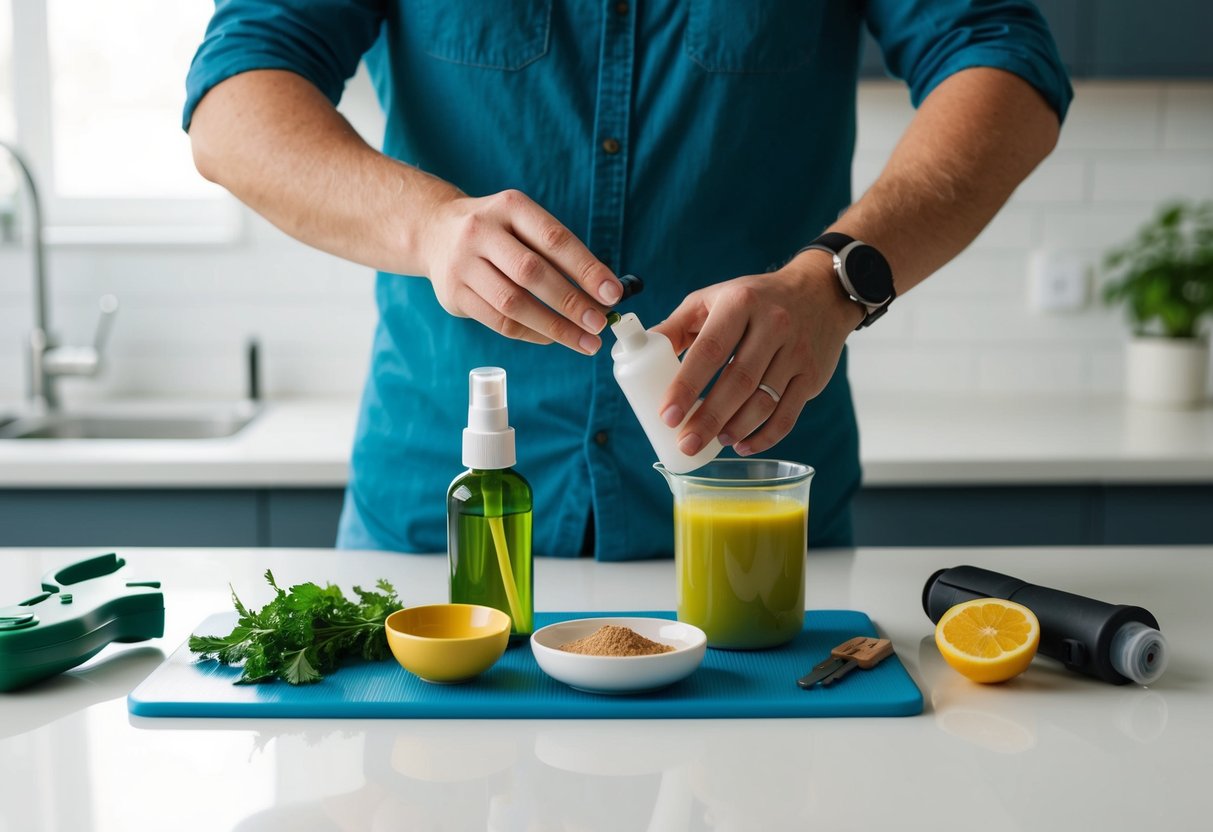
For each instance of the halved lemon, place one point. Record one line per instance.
(988, 639)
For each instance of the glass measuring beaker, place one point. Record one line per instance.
(740, 538)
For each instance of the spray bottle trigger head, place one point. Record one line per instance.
(486, 388)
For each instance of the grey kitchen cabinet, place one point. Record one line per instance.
(1159, 514)
(1159, 39)
(1018, 515)
(962, 516)
(1117, 38)
(1069, 22)
(287, 517)
(1034, 515)
(129, 517)
(302, 518)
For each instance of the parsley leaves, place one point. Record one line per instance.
(303, 634)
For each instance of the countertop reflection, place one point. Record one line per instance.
(1046, 750)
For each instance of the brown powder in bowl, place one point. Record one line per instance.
(615, 641)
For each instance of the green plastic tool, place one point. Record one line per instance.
(81, 608)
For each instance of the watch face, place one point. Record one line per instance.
(869, 273)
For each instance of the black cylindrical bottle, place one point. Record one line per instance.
(1112, 642)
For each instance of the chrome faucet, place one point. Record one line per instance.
(49, 360)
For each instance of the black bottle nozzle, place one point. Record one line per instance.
(1112, 642)
(632, 285)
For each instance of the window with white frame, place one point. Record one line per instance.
(94, 95)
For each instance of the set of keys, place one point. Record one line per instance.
(861, 652)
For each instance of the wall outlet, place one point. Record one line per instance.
(1057, 281)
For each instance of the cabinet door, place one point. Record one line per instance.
(979, 516)
(108, 518)
(1070, 23)
(1159, 514)
(303, 518)
(1158, 39)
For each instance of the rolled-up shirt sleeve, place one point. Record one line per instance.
(925, 41)
(320, 40)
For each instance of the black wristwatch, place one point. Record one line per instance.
(863, 272)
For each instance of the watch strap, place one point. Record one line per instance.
(831, 241)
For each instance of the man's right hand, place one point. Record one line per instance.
(502, 260)
(273, 139)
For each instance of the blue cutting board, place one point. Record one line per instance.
(729, 684)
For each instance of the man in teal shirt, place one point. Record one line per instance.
(535, 149)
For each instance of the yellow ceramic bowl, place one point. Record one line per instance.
(447, 643)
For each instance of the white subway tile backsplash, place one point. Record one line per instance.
(1060, 178)
(979, 274)
(218, 324)
(15, 280)
(204, 374)
(12, 375)
(1013, 228)
(890, 368)
(1006, 322)
(1188, 117)
(186, 311)
(866, 166)
(1027, 369)
(1092, 226)
(1113, 116)
(884, 114)
(1152, 178)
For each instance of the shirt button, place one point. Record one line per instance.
(621, 8)
(611, 146)
(601, 438)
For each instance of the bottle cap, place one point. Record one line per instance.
(1138, 652)
(488, 440)
(632, 285)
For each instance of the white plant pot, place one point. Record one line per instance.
(1169, 372)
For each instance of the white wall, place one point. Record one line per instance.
(186, 311)
(1125, 147)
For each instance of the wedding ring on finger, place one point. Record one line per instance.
(770, 391)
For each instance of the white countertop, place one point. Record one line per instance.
(905, 440)
(1048, 750)
(293, 444)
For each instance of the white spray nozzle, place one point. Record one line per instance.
(630, 332)
(486, 394)
(488, 441)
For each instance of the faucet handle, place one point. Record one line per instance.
(83, 361)
(105, 324)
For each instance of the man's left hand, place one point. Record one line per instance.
(778, 337)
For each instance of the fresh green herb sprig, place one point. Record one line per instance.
(303, 634)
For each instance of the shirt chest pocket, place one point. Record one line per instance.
(753, 35)
(490, 34)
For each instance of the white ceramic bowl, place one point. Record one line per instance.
(619, 674)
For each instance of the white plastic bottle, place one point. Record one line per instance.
(645, 365)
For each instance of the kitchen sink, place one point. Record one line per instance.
(136, 422)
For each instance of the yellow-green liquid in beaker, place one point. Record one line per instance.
(740, 564)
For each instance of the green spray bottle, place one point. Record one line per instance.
(488, 510)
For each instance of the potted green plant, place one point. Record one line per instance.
(1165, 280)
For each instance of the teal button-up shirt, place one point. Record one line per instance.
(686, 141)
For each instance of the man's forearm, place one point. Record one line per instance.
(973, 140)
(273, 140)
